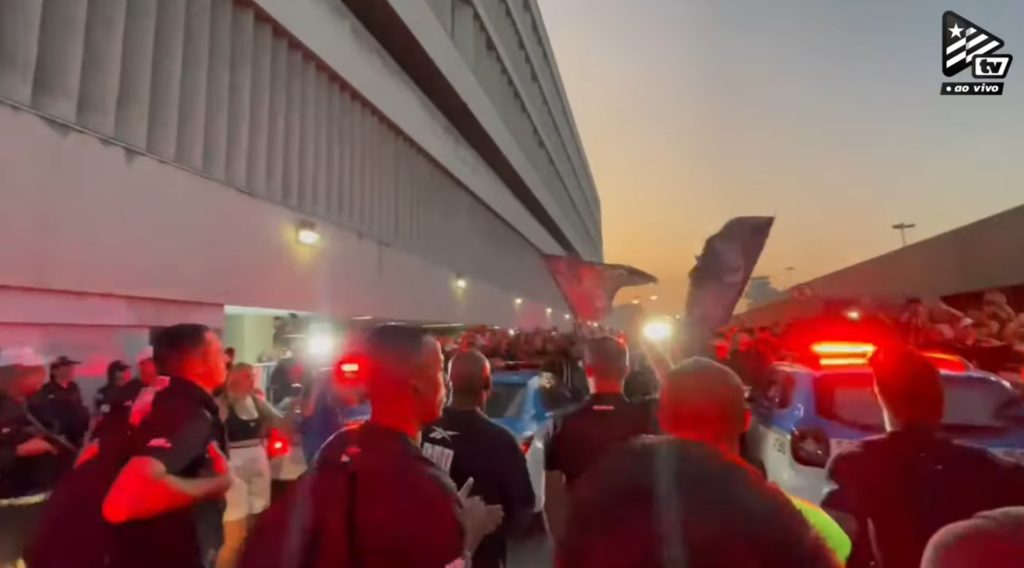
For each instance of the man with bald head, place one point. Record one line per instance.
(468, 445)
(583, 436)
(704, 401)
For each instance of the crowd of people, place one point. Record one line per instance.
(404, 468)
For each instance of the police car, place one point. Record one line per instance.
(807, 412)
(523, 400)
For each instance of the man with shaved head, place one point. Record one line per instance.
(583, 436)
(703, 401)
(371, 497)
(468, 445)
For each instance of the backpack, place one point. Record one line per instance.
(72, 521)
(301, 529)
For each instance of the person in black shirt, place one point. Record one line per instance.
(664, 502)
(155, 496)
(583, 436)
(893, 492)
(117, 377)
(371, 497)
(59, 406)
(468, 445)
(31, 459)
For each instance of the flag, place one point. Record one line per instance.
(590, 287)
(722, 272)
(962, 41)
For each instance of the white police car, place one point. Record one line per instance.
(805, 413)
(523, 399)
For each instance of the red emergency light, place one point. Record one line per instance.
(843, 353)
(277, 444)
(349, 369)
(947, 362)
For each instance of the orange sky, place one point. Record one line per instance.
(824, 114)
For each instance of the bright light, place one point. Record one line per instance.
(567, 316)
(307, 234)
(657, 330)
(852, 314)
(679, 317)
(461, 283)
(636, 301)
(320, 345)
(511, 331)
(548, 311)
(519, 301)
(350, 367)
(654, 297)
(826, 348)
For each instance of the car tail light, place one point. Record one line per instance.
(277, 444)
(809, 448)
(526, 443)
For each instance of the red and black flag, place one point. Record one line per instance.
(723, 270)
(590, 287)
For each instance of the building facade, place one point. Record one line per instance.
(159, 157)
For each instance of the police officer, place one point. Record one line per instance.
(31, 459)
(372, 498)
(59, 403)
(893, 492)
(583, 436)
(164, 495)
(468, 445)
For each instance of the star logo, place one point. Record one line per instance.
(956, 30)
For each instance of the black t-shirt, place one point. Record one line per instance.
(465, 443)
(583, 436)
(908, 484)
(401, 510)
(61, 410)
(25, 476)
(176, 430)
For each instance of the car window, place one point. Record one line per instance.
(506, 400)
(778, 391)
(553, 394)
(971, 402)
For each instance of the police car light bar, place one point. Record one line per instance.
(843, 353)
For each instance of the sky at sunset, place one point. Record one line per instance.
(824, 113)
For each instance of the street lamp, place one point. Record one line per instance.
(903, 228)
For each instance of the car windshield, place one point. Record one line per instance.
(972, 403)
(506, 400)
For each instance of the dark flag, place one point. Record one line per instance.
(722, 272)
(590, 287)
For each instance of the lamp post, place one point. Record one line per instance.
(903, 228)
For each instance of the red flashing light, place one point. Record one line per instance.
(349, 367)
(843, 353)
(277, 444)
(526, 443)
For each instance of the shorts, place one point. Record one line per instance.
(17, 526)
(250, 488)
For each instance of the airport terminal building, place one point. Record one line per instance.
(225, 161)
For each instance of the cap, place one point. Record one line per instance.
(20, 356)
(63, 361)
(117, 365)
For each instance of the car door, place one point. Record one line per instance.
(768, 440)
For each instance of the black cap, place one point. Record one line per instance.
(63, 361)
(117, 365)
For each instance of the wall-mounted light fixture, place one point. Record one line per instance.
(306, 233)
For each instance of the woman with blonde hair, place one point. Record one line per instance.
(248, 419)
